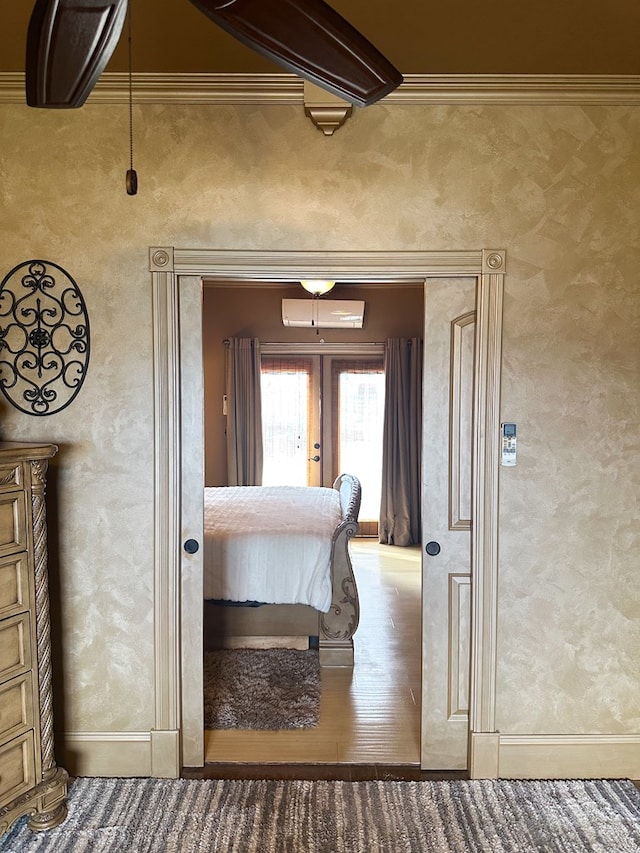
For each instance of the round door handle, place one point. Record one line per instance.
(432, 549)
(191, 546)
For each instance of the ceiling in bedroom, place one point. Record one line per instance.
(466, 37)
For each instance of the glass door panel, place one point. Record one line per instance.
(290, 421)
(323, 415)
(356, 417)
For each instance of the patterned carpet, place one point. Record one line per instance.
(261, 689)
(188, 816)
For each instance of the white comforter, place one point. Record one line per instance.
(270, 544)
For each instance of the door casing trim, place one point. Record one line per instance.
(176, 276)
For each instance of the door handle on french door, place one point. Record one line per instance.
(315, 458)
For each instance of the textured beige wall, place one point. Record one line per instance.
(557, 186)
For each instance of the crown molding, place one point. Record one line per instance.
(417, 89)
(517, 89)
(113, 88)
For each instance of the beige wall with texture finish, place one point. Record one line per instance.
(558, 187)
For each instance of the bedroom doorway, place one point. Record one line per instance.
(321, 415)
(177, 739)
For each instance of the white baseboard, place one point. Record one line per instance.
(165, 754)
(555, 756)
(491, 756)
(107, 753)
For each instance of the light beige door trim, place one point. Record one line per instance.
(484, 535)
(177, 739)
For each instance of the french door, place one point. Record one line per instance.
(323, 414)
(291, 423)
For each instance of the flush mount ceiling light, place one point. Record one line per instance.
(318, 287)
(69, 43)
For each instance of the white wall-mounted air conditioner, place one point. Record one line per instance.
(323, 313)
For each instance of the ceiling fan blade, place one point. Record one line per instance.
(69, 42)
(311, 39)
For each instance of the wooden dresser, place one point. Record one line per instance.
(30, 781)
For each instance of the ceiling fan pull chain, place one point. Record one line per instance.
(132, 175)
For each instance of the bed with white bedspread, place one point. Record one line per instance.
(268, 546)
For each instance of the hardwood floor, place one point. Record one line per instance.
(369, 718)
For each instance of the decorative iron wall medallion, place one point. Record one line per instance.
(44, 338)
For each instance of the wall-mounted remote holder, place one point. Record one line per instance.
(508, 444)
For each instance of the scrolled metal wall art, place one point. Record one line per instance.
(44, 338)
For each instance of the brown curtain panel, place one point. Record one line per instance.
(244, 413)
(401, 443)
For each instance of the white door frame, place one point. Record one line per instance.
(178, 736)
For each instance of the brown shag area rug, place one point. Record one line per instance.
(232, 816)
(261, 689)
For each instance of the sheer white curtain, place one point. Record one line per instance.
(244, 412)
(402, 441)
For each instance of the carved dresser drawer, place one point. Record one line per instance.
(13, 529)
(15, 646)
(30, 781)
(14, 585)
(16, 707)
(18, 766)
(10, 476)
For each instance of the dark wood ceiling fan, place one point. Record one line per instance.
(311, 39)
(69, 43)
